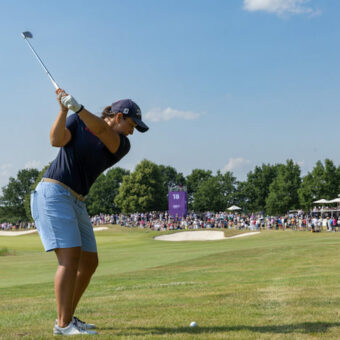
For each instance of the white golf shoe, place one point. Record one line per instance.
(84, 324)
(73, 328)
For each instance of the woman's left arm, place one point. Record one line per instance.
(98, 126)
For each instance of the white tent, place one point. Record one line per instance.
(321, 201)
(336, 200)
(234, 207)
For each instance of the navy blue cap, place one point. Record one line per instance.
(130, 109)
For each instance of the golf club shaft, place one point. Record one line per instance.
(42, 64)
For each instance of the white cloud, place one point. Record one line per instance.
(5, 173)
(5, 170)
(236, 163)
(280, 6)
(158, 115)
(33, 164)
(300, 163)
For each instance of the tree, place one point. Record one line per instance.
(142, 190)
(193, 182)
(103, 192)
(256, 189)
(283, 191)
(242, 196)
(171, 177)
(322, 182)
(331, 180)
(215, 193)
(307, 192)
(14, 194)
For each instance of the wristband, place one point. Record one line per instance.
(81, 107)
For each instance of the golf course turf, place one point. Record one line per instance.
(274, 285)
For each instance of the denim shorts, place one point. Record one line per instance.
(61, 219)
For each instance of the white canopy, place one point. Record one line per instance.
(234, 207)
(321, 201)
(336, 200)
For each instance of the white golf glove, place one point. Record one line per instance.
(69, 102)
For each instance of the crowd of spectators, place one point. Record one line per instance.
(317, 220)
(297, 220)
(16, 226)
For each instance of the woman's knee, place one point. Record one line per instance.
(88, 262)
(69, 257)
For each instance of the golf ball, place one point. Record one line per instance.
(193, 324)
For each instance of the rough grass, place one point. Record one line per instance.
(5, 252)
(275, 285)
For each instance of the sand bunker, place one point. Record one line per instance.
(100, 228)
(18, 233)
(201, 235)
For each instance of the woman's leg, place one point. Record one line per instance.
(65, 281)
(87, 266)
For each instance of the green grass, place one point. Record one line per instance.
(233, 232)
(5, 252)
(275, 285)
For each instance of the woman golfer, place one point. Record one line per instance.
(88, 145)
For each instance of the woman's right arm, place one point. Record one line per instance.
(59, 134)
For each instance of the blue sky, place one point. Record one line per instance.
(222, 84)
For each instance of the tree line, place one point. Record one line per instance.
(272, 189)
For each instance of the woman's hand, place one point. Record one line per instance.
(67, 101)
(61, 93)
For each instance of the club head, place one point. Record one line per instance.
(27, 34)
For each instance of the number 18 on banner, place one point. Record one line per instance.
(178, 203)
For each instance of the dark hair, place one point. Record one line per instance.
(107, 112)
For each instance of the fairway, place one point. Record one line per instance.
(275, 285)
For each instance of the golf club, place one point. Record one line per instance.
(26, 35)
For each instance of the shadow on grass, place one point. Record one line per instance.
(305, 327)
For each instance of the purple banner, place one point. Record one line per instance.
(178, 203)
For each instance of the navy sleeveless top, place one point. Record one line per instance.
(84, 157)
